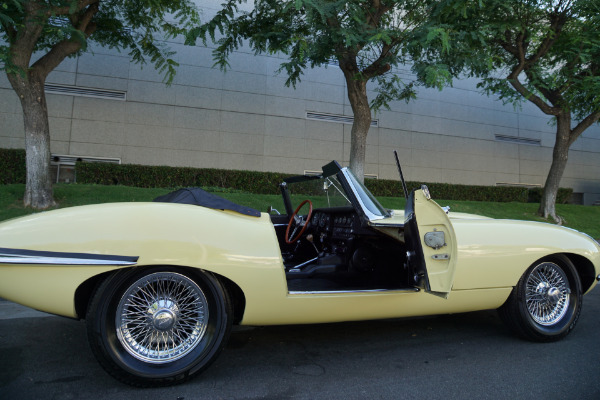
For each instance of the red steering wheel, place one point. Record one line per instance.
(299, 223)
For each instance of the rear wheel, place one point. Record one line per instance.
(546, 303)
(158, 326)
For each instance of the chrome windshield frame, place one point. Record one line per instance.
(357, 189)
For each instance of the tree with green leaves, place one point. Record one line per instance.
(546, 52)
(366, 38)
(37, 35)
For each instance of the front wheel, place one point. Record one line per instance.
(546, 303)
(158, 326)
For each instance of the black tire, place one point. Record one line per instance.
(158, 326)
(546, 303)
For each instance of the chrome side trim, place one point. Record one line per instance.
(409, 290)
(34, 257)
(384, 225)
(295, 269)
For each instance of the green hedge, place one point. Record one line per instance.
(12, 170)
(563, 196)
(12, 166)
(267, 182)
(447, 191)
(161, 176)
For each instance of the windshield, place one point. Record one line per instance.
(323, 192)
(328, 191)
(369, 203)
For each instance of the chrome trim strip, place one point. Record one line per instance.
(34, 257)
(59, 261)
(410, 290)
(294, 269)
(379, 224)
(372, 217)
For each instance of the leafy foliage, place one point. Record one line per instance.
(368, 38)
(543, 51)
(137, 26)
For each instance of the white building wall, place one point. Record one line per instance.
(247, 119)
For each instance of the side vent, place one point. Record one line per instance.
(342, 119)
(518, 140)
(513, 184)
(85, 92)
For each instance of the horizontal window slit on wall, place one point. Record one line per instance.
(70, 90)
(343, 119)
(517, 140)
(318, 173)
(515, 184)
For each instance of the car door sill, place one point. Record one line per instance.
(346, 291)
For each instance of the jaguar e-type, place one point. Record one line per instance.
(160, 284)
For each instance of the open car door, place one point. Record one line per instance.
(431, 244)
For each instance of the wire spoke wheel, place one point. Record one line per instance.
(545, 304)
(159, 325)
(162, 317)
(547, 294)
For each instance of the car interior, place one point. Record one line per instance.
(332, 248)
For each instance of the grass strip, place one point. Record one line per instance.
(582, 218)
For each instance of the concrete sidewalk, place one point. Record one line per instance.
(10, 310)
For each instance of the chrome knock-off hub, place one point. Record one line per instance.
(163, 320)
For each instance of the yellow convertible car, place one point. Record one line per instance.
(160, 284)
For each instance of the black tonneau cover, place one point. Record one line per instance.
(199, 197)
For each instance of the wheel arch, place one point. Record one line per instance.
(236, 294)
(85, 291)
(585, 270)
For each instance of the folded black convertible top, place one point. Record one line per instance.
(199, 197)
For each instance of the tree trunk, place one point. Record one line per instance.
(357, 95)
(38, 188)
(559, 162)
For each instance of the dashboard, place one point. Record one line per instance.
(335, 223)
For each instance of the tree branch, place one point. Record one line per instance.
(556, 24)
(583, 125)
(513, 79)
(81, 4)
(374, 19)
(24, 44)
(507, 45)
(67, 47)
(377, 67)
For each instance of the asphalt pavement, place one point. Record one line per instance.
(445, 357)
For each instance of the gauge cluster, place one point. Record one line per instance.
(337, 225)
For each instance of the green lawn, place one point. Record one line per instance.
(583, 218)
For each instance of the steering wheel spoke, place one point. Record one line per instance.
(299, 222)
